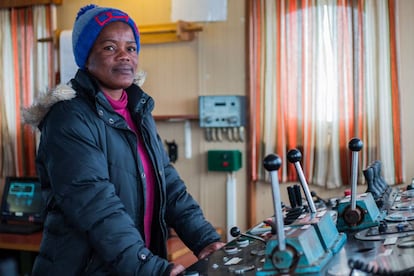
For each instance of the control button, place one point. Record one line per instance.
(382, 228)
(400, 227)
(347, 192)
(233, 261)
(230, 249)
(258, 253)
(240, 269)
(243, 242)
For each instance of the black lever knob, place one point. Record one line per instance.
(235, 231)
(355, 144)
(294, 156)
(272, 162)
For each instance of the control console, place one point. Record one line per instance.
(372, 233)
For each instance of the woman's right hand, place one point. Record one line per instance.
(177, 269)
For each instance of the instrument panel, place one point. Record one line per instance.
(379, 250)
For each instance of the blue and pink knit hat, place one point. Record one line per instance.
(89, 22)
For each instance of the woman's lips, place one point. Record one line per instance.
(123, 69)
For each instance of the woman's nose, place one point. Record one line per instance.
(123, 54)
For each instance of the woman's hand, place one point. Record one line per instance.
(177, 269)
(209, 249)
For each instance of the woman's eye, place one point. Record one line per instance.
(109, 48)
(132, 49)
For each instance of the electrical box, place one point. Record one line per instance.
(222, 111)
(224, 160)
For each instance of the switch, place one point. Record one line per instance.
(224, 160)
(172, 149)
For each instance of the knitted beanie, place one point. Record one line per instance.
(89, 22)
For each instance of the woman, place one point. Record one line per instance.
(111, 191)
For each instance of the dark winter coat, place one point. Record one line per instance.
(94, 184)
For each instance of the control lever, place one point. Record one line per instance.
(294, 156)
(355, 145)
(380, 181)
(372, 187)
(298, 195)
(272, 163)
(292, 197)
(376, 190)
(350, 215)
(353, 215)
(235, 232)
(303, 248)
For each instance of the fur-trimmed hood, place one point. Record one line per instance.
(35, 113)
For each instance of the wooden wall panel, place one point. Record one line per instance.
(172, 77)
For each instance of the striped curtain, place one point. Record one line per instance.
(321, 73)
(26, 69)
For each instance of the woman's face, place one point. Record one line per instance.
(113, 58)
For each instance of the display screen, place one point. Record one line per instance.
(22, 199)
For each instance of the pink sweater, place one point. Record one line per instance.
(120, 107)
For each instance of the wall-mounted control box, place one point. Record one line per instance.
(224, 160)
(222, 111)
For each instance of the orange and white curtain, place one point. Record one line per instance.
(26, 69)
(321, 73)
